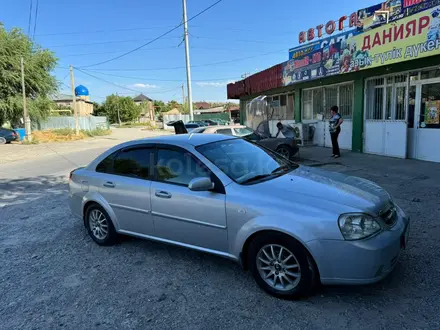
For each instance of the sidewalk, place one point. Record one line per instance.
(16, 152)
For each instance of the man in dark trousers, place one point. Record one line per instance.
(335, 128)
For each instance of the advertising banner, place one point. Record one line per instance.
(315, 64)
(380, 14)
(432, 112)
(413, 37)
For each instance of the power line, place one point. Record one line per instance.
(103, 31)
(103, 42)
(151, 79)
(35, 20)
(195, 66)
(30, 18)
(159, 48)
(124, 87)
(155, 39)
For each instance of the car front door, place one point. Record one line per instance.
(197, 218)
(124, 180)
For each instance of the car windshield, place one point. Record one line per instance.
(245, 162)
(243, 131)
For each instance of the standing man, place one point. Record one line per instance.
(335, 128)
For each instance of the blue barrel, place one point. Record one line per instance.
(21, 132)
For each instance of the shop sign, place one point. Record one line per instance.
(329, 28)
(380, 14)
(413, 37)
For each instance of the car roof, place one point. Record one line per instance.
(185, 139)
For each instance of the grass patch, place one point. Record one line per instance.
(146, 125)
(64, 135)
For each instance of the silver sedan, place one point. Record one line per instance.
(292, 226)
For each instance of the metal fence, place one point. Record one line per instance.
(85, 123)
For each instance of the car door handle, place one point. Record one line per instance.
(163, 194)
(109, 184)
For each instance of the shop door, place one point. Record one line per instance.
(424, 125)
(385, 128)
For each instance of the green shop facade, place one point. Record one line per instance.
(385, 81)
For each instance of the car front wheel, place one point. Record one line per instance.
(99, 226)
(280, 266)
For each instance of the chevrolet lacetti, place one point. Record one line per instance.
(290, 225)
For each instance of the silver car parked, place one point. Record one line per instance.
(290, 225)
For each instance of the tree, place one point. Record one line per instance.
(128, 110)
(159, 106)
(39, 83)
(98, 109)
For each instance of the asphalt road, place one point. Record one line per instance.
(52, 276)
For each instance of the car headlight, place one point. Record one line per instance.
(356, 226)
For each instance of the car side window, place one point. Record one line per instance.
(106, 165)
(224, 131)
(178, 167)
(134, 163)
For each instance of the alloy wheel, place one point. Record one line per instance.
(284, 152)
(98, 224)
(278, 267)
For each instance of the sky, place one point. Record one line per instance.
(233, 38)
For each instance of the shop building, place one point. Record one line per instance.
(382, 71)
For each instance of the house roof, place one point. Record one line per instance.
(141, 98)
(174, 111)
(62, 97)
(202, 105)
(210, 110)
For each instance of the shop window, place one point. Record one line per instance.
(429, 74)
(318, 104)
(307, 109)
(283, 100)
(290, 106)
(346, 101)
(389, 99)
(400, 103)
(331, 98)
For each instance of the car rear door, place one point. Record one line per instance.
(124, 180)
(191, 217)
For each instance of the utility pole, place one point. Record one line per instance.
(183, 96)
(26, 119)
(75, 110)
(188, 65)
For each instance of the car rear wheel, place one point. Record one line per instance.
(285, 151)
(99, 226)
(2, 140)
(280, 266)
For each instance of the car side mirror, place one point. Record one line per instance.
(201, 184)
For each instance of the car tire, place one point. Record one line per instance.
(100, 226)
(285, 151)
(2, 140)
(288, 274)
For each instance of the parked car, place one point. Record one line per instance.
(210, 122)
(286, 147)
(198, 122)
(8, 135)
(290, 225)
(191, 126)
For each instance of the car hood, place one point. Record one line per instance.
(323, 189)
